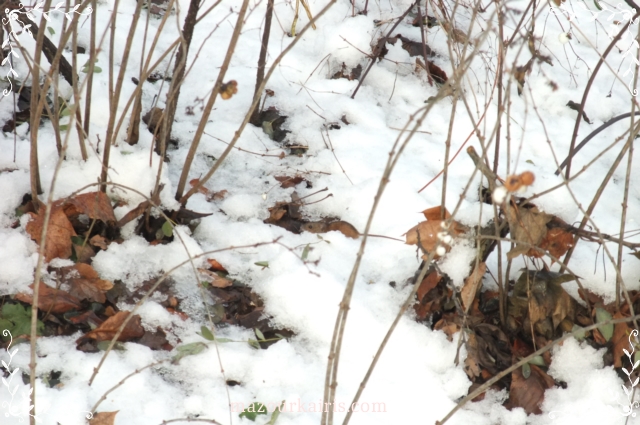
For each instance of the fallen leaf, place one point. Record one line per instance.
(103, 418)
(215, 280)
(51, 299)
(59, 233)
(86, 284)
(216, 266)
(99, 241)
(620, 340)
(287, 182)
(428, 283)
(425, 234)
(528, 227)
(155, 340)
(96, 205)
(557, 241)
(339, 226)
(435, 213)
(472, 284)
(109, 328)
(528, 393)
(471, 366)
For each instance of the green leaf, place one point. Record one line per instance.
(305, 252)
(254, 343)
(167, 229)
(262, 263)
(595, 2)
(204, 284)
(275, 414)
(259, 334)
(206, 333)
(579, 335)
(223, 340)
(14, 312)
(253, 411)
(603, 315)
(188, 350)
(96, 69)
(104, 345)
(63, 127)
(65, 112)
(528, 161)
(51, 30)
(538, 361)
(526, 371)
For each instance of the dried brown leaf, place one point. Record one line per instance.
(51, 299)
(214, 279)
(528, 228)
(96, 205)
(103, 418)
(528, 393)
(87, 285)
(216, 266)
(472, 284)
(109, 328)
(99, 241)
(59, 233)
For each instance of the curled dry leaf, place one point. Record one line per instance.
(216, 266)
(528, 227)
(109, 328)
(228, 89)
(51, 299)
(472, 284)
(557, 242)
(59, 233)
(514, 182)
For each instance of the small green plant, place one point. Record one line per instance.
(17, 319)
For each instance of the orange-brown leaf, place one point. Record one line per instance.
(620, 340)
(434, 213)
(557, 242)
(51, 299)
(216, 266)
(103, 418)
(425, 234)
(59, 233)
(109, 328)
(96, 205)
(428, 283)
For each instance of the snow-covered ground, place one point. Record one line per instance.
(416, 380)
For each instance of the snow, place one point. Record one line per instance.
(415, 377)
